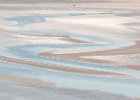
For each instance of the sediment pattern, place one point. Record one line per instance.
(66, 54)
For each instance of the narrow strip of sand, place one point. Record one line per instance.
(62, 68)
(27, 81)
(120, 51)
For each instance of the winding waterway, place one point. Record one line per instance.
(49, 54)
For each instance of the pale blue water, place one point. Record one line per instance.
(69, 80)
(61, 79)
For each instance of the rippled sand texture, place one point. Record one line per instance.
(73, 51)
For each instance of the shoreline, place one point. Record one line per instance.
(84, 5)
(61, 46)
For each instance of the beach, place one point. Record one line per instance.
(75, 50)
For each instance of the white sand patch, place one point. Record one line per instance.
(83, 21)
(9, 39)
(131, 59)
(42, 40)
(103, 22)
(98, 20)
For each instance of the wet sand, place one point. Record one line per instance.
(19, 80)
(66, 41)
(80, 56)
(61, 68)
